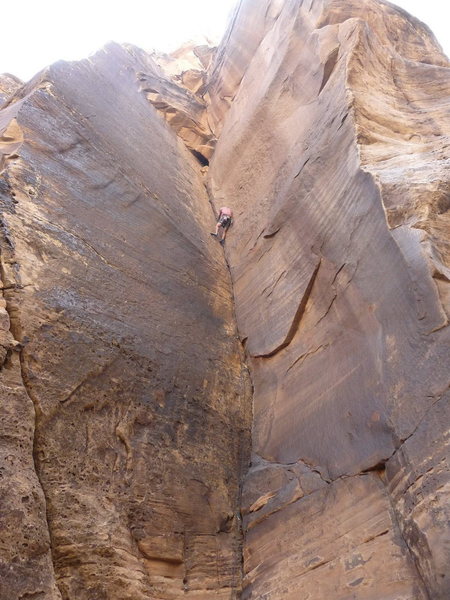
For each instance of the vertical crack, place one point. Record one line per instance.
(398, 530)
(15, 331)
(244, 463)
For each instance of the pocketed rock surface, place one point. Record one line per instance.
(126, 426)
(126, 410)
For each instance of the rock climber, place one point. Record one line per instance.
(224, 220)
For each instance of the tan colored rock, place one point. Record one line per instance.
(11, 137)
(176, 86)
(339, 259)
(127, 398)
(248, 26)
(122, 305)
(25, 549)
(419, 483)
(341, 542)
(195, 55)
(9, 84)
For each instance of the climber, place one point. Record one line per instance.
(224, 220)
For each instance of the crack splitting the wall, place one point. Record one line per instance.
(380, 466)
(399, 531)
(297, 317)
(15, 331)
(352, 113)
(396, 529)
(243, 357)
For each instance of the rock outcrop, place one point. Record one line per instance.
(126, 403)
(177, 88)
(126, 426)
(334, 156)
(8, 85)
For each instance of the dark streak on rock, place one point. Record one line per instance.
(329, 67)
(297, 318)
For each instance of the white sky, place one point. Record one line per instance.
(35, 33)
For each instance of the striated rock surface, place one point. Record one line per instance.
(334, 156)
(8, 85)
(176, 87)
(125, 429)
(125, 414)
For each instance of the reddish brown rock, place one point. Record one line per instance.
(249, 23)
(334, 157)
(126, 430)
(340, 542)
(121, 303)
(419, 483)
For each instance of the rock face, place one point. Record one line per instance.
(125, 430)
(126, 410)
(8, 85)
(334, 157)
(177, 88)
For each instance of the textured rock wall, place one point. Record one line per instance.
(334, 157)
(177, 87)
(126, 414)
(8, 85)
(125, 408)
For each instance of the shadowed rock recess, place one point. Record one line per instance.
(131, 465)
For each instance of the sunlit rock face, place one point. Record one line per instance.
(8, 85)
(176, 87)
(126, 471)
(125, 413)
(333, 154)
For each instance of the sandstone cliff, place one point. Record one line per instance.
(126, 405)
(126, 418)
(334, 155)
